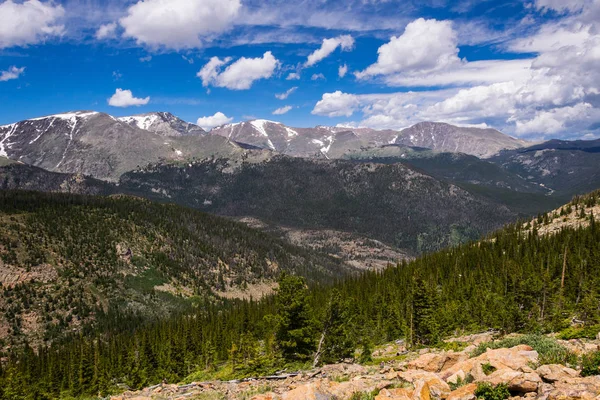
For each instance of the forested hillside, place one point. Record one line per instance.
(511, 281)
(79, 263)
(391, 203)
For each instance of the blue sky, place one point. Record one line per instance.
(529, 68)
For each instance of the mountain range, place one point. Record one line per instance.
(390, 186)
(105, 147)
(334, 142)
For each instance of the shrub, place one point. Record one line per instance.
(588, 332)
(362, 396)
(550, 351)
(590, 364)
(488, 392)
(488, 368)
(460, 382)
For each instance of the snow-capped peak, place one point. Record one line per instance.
(68, 116)
(141, 121)
(259, 125)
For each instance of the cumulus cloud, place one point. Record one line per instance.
(316, 77)
(342, 70)
(29, 22)
(282, 110)
(293, 76)
(554, 120)
(12, 73)
(286, 94)
(337, 104)
(345, 42)
(241, 74)
(555, 92)
(124, 98)
(106, 31)
(425, 46)
(178, 24)
(218, 119)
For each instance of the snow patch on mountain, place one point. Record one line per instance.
(68, 116)
(259, 125)
(141, 121)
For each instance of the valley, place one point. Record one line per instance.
(140, 249)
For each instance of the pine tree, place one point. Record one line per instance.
(295, 325)
(424, 305)
(338, 336)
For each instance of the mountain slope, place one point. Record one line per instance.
(391, 203)
(563, 167)
(99, 145)
(70, 262)
(17, 176)
(449, 138)
(511, 283)
(471, 173)
(163, 123)
(335, 142)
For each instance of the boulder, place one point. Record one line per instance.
(265, 396)
(556, 373)
(432, 362)
(517, 381)
(466, 392)
(427, 382)
(394, 394)
(326, 390)
(310, 391)
(517, 358)
(436, 362)
(576, 388)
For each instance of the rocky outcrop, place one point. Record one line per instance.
(432, 375)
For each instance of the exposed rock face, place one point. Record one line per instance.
(449, 138)
(99, 145)
(334, 142)
(163, 123)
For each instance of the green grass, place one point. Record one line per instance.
(549, 350)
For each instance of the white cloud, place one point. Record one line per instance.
(345, 42)
(476, 72)
(146, 59)
(30, 22)
(560, 5)
(286, 94)
(106, 31)
(178, 24)
(207, 123)
(337, 104)
(210, 71)
(317, 77)
(241, 74)
(124, 98)
(293, 76)
(11, 73)
(555, 120)
(342, 70)
(282, 110)
(425, 46)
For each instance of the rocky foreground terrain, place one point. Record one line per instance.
(401, 375)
